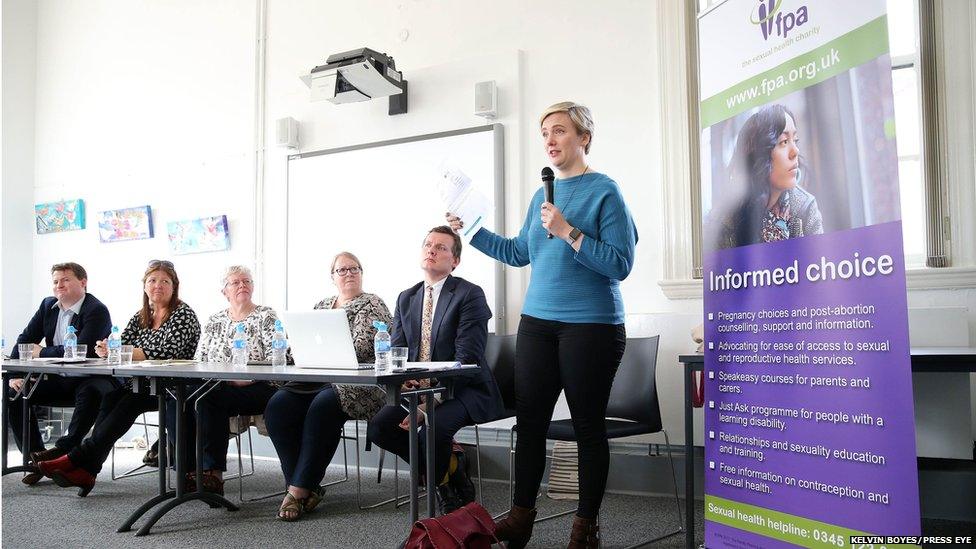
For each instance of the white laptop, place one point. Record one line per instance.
(321, 339)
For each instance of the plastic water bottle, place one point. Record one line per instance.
(381, 346)
(279, 346)
(114, 344)
(70, 342)
(238, 347)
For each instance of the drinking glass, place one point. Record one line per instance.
(25, 350)
(398, 356)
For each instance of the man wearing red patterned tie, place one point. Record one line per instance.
(443, 318)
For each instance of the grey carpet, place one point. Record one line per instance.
(48, 516)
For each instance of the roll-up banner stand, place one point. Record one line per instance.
(809, 432)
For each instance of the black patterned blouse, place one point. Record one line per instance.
(175, 339)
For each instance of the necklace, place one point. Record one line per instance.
(566, 205)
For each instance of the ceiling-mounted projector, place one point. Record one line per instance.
(358, 75)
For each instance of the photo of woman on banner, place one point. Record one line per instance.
(766, 203)
(815, 161)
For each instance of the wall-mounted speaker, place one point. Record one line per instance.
(486, 99)
(286, 132)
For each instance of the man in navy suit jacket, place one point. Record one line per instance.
(71, 305)
(458, 332)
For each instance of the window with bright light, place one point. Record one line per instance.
(903, 42)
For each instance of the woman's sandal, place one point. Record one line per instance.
(211, 482)
(293, 506)
(314, 498)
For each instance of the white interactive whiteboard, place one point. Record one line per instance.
(378, 201)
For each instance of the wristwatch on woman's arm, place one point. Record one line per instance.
(573, 236)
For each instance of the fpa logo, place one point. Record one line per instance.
(768, 14)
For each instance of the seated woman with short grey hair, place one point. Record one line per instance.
(230, 398)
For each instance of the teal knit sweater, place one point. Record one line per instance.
(570, 286)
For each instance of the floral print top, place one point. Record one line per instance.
(259, 327)
(775, 225)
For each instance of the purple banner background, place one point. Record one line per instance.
(890, 394)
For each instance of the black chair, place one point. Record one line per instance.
(500, 355)
(633, 410)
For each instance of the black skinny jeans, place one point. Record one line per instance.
(581, 359)
(305, 429)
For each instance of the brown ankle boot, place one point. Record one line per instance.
(516, 527)
(585, 534)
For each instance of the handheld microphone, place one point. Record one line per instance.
(547, 179)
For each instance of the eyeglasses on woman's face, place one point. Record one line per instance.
(350, 271)
(239, 282)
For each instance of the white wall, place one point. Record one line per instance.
(145, 103)
(19, 18)
(564, 54)
(154, 102)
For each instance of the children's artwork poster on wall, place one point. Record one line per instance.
(125, 224)
(208, 234)
(60, 216)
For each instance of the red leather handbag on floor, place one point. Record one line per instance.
(470, 527)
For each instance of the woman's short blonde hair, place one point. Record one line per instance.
(349, 255)
(235, 270)
(580, 115)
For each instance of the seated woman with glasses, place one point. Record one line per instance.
(230, 398)
(304, 419)
(165, 328)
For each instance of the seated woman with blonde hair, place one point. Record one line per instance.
(305, 420)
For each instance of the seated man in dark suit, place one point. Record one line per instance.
(71, 305)
(443, 318)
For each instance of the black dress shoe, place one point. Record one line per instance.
(447, 500)
(461, 482)
(47, 455)
(151, 459)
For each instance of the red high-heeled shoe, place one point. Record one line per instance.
(79, 477)
(47, 468)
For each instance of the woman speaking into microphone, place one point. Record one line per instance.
(571, 336)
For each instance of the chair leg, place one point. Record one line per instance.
(135, 471)
(677, 502)
(379, 472)
(240, 468)
(552, 457)
(241, 472)
(674, 480)
(477, 454)
(345, 461)
(379, 466)
(250, 449)
(511, 474)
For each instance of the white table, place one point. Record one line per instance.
(176, 377)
